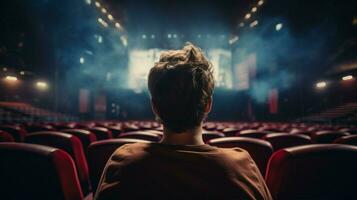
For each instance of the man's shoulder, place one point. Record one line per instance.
(130, 150)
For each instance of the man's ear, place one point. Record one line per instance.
(208, 105)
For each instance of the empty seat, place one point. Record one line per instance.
(69, 143)
(258, 149)
(209, 135)
(31, 171)
(253, 133)
(349, 139)
(230, 131)
(98, 154)
(85, 136)
(6, 137)
(320, 171)
(141, 135)
(321, 137)
(101, 133)
(284, 140)
(17, 132)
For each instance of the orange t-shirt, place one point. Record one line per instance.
(161, 171)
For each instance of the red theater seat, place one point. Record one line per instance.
(31, 171)
(17, 132)
(209, 135)
(253, 133)
(69, 143)
(349, 139)
(101, 133)
(230, 131)
(284, 140)
(323, 137)
(6, 137)
(98, 154)
(141, 135)
(258, 149)
(322, 171)
(85, 136)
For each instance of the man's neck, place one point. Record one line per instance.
(189, 137)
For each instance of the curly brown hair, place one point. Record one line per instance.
(181, 85)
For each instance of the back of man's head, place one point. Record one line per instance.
(181, 86)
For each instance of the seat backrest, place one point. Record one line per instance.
(31, 171)
(253, 133)
(6, 137)
(85, 136)
(258, 149)
(209, 135)
(68, 143)
(349, 139)
(17, 132)
(98, 154)
(141, 135)
(325, 137)
(284, 140)
(319, 171)
(101, 133)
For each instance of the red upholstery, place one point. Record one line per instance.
(284, 140)
(253, 133)
(17, 132)
(349, 139)
(323, 137)
(69, 143)
(98, 154)
(85, 136)
(258, 149)
(322, 171)
(31, 171)
(141, 135)
(5, 137)
(101, 133)
(208, 135)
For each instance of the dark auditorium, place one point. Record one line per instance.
(178, 99)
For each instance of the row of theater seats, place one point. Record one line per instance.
(96, 144)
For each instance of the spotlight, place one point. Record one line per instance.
(104, 10)
(278, 27)
(102, 22)
(97, 4)
(110, 17)
(254, 23)
(321, 84)
(41, 85)
(348, 77)
(100, 39)
(117, 25)
(11, 78)
(152, 36)
(261, 2)
(143, 36)
(4, 69)
(254, 9)
(124, 40)
(22, 72)
(247, 16)
(81, 60)
(88, 2)
(168, 35)
(174, 36)
(233, 39)
(241, 24)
